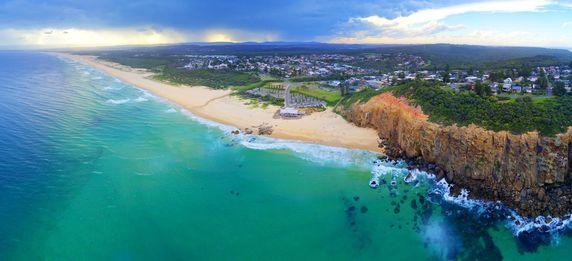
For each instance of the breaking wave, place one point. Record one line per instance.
(112, 101)
(321, 154)
(327, 155)
(316, 153)
(141, 99)
(109, 88)
(514, 222)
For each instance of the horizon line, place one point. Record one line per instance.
(60, 48)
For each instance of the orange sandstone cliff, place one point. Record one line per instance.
(529, 173)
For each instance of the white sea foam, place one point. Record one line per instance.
(347, 157)
(171, 110)
(118, 101)
(321, 154)
(548, 224)
(141, 99)
(96, 78)
(516, 223)
(111, 88)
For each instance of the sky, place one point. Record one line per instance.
(88, 23)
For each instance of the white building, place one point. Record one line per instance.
(290, 112)
(507, 85)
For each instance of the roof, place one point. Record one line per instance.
(289, 110)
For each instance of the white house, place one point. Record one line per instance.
(507, 85)
(471, 78)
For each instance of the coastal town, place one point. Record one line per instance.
(353, 72)
(300, 82)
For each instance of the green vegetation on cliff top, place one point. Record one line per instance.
(548, 116)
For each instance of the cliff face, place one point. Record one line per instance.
(529, 173)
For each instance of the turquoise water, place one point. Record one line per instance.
(92, 168)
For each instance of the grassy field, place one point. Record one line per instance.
(514, 97)
(312, 90)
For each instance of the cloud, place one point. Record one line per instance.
(567, 24)
(75, 37)
(429, 21)
(232, 35)
(78, 37)
(483, 37)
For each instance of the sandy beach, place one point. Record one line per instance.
(325, 127)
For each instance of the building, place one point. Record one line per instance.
(290, 112)
(471, 79)
(507, 85)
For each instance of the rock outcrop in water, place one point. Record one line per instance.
(529, 173)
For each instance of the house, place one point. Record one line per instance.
(519, 79)
(374, 84)
(507, 85)
(516, 88)
(471, 78)
(333, 83)
(494, 87)
(528, 89)
(410, 76)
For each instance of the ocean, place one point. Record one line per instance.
(92, 168)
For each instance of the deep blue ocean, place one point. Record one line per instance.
(92, 168)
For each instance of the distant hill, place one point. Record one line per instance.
(464, 56)
(439, 55)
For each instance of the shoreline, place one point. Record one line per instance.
(326, 128)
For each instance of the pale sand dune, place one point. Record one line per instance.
(322, 127)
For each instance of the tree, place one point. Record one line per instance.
(497, 76)
(524, 71)
(446, 76)
(344, 89)
(559, 89)
(542, 80)
(483, 90)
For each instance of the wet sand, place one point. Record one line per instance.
(325, 127)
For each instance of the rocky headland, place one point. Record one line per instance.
(529, 173)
